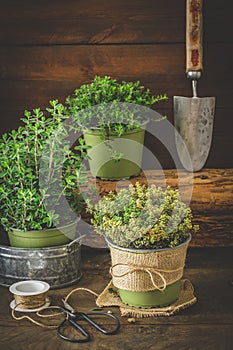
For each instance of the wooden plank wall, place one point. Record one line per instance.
(48, 48)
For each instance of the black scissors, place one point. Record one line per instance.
(73, 318)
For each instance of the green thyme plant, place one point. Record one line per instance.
(22, 199)
(142, 218)
(99, 104)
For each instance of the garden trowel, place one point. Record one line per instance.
(193, 117)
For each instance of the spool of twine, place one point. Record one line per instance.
(31, 301)
(142, 272)
(38, 300)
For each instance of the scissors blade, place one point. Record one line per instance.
(67, 306)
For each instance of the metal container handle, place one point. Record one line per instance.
(76, 240)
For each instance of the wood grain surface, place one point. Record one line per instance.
(206, 325)
(106, 21)
(48, 50)
(159, 67)
(212, 190)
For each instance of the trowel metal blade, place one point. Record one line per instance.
(193, 118)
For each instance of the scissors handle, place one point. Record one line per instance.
(73, 318)
(78, 327)
(97, 326)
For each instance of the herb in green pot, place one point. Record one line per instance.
(104, 91)
(148, 231)
(113, 116)
(21, 151)
(143, 217)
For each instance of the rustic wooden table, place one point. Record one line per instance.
(205, 325)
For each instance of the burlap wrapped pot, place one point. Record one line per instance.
(141, 271)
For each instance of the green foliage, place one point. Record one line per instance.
(143, 218)
(106, 96)
(21, 196)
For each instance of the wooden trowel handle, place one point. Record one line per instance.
(193, 35)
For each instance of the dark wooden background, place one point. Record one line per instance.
(48, 48)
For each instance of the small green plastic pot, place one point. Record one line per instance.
(154, 298)
(42, 238)
(101, 161)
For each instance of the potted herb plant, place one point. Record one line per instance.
(113, 116)
(148, 231)
(23, 211)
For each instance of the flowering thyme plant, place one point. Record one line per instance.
(143, 218)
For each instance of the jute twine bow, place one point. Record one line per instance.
(149, 270)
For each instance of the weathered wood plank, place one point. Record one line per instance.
(212, 188)
(92, 22)
(83, 62)
(162, 337)
(106, 22)
(160, 67)
(40, 70)
(17, 95)
(44, 45)
(215, 230)
(159, 338)
(54, 61)
(206, 325)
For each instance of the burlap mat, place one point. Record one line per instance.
(110, 297)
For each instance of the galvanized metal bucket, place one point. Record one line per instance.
(59, 265)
